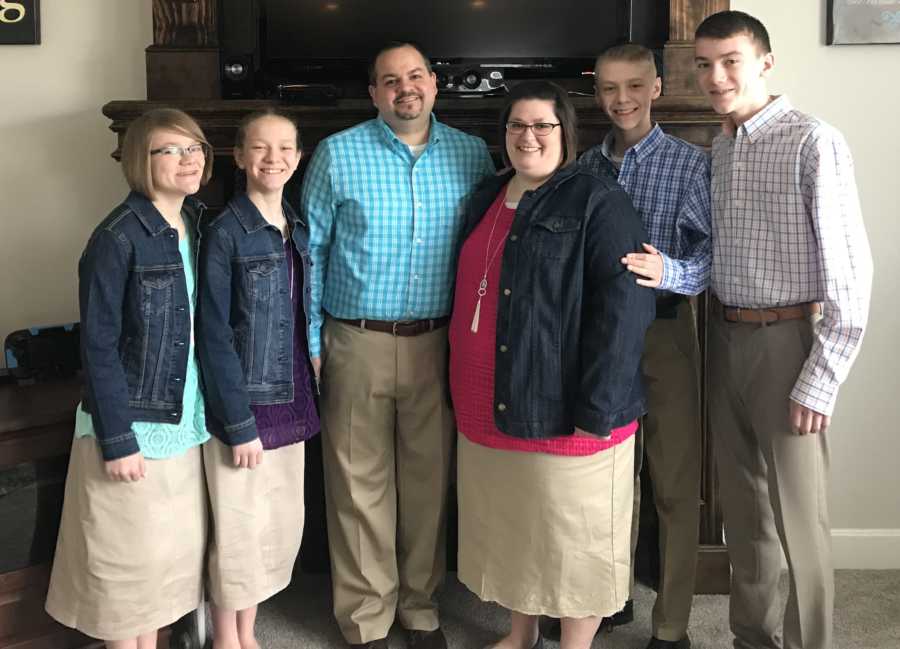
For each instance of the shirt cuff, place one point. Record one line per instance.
(671, 274)
(816, 396)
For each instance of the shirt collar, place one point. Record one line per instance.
(641, 150)
(765, 120)
(434, 132)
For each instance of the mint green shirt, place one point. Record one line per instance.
(159, 440)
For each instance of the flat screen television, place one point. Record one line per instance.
(314, 40)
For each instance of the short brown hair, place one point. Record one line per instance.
(726, 24)
(562, 108)
(136, 146)
(248, 120)
(630, 53)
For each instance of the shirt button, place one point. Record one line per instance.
(513, 237)
(415, 277)
(180, 309)
(506, 291)
(501, 407)
(179, 343)
(173, 414)
(419, 240)
(177, 379)
(503, 348)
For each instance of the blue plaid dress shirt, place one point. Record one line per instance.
(384, 224)
(668, 182)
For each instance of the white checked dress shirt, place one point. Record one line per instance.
(787, 229)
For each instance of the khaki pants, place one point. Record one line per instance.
(773, 485)
(670, 437)
(387, 429)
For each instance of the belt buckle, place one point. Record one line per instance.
(394, 328)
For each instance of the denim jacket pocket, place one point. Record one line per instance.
(555, 235)
(261, 284)
(156, 338)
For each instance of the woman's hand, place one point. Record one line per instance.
(130, 468)
(248, 455)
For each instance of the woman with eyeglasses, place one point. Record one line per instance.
(129, 557)
(545, 345)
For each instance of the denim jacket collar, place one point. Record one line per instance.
(560, 176)
(250, 218)
(153, 221)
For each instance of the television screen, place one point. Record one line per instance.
(487, 30)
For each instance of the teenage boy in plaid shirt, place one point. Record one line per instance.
(668, 181)
(792, 273)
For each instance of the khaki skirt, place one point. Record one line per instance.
(546, 534)
(129, 557)
(257, 523)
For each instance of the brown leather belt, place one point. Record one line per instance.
(403, 328)
(772, 314)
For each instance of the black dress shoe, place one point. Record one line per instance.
(371, 644)
(550, 627)
(416, 639)
(656, 643)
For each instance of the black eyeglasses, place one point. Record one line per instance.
(180, 151)
(540, 129)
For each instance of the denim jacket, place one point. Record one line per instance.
(571, 319)
(245, 324)
(135, 321)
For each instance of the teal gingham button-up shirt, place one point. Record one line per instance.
(384, 224)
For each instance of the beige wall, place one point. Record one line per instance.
(855, 89)
(56, 177)
(57, 181)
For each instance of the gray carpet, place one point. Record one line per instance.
(867, 616)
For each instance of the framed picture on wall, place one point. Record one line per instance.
(20, 22)
(862, 22)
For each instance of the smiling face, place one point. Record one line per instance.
(269, 154)
(404, 89)
(625, 90)
(535, 158)
(732, 73)
(175, 176)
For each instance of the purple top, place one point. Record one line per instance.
(282, 424)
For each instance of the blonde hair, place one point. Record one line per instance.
(136, 146)
(630, 53)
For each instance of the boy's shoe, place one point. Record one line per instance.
(435, 639)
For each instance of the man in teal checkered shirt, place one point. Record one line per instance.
(385, 202)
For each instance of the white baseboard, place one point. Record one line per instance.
(866, 549)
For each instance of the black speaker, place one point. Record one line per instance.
(240, 56)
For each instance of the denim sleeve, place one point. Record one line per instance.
(616, 313)
(223, 376)
(102, 277)
(317, 204)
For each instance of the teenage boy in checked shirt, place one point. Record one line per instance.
(668, 181)
(792, 272)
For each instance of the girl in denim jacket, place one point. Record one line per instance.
(129, 557)
(254, 265)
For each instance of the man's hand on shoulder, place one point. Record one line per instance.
(647, 266)
(805, 420)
